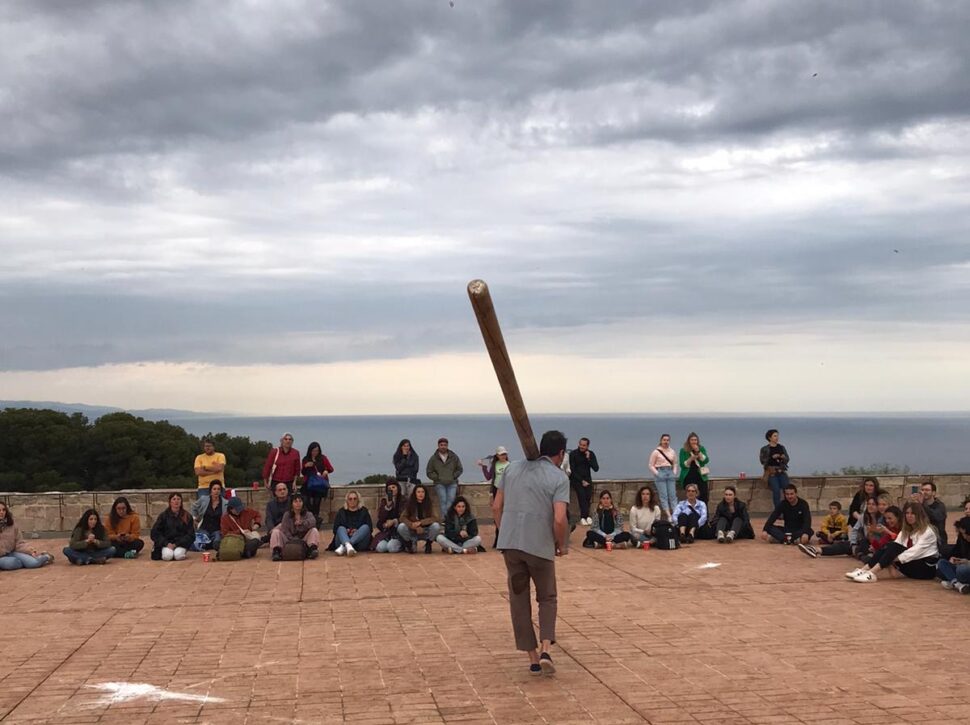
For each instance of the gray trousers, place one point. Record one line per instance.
(522, 569)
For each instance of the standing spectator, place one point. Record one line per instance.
(15, 553)
(242, 522)
(207, 512)
(582, 464)
(869, 488)
(387, 540)
(955, 570)
(89, 541)
(444, 470)
(797, 518)
(173, 532)
(316, 479)
(694, 466)
(298, 524)
(352, 527)
(774, 457)
(276, 509)
(643, 513)
(417, 521)
(834, 527)
(607, 525)
(664, 468)
(532, 498)
(914, 553)
(935, 510)
(492, 468)
(209, 466)
(282, 465)
(690, 515)
(124, 529)
(461, 530)
(731, 518)
(406, 465)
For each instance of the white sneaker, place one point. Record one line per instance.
(588, 521)
(948, 584)
(341, 550)
(351, 551)
(854, 573)
(865, 577)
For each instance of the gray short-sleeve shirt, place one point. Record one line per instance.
(530, 488)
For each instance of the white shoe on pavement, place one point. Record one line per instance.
(341, 550)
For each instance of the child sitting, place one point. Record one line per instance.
(835, 526)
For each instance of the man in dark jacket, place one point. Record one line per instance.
(276, 508)
(797, 518)
(582, 463)
(935, 512)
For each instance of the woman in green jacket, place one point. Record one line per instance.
(695, 466)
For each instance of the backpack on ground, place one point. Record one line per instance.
(294, 551)
(666, 535)
(231, 547)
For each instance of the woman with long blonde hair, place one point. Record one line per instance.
(913, 554)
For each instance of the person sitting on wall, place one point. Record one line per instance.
(418, 521)
(352, 527)
(173, 532)
(207, 510)
(298, 524)
(797, 517)
(89, 541)
(124, 529)
(241, 521)
(15, 553)
(461, 530)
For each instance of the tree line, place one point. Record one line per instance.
(46, 450)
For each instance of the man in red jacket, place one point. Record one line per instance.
(282, 465)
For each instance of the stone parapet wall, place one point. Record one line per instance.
(58, 512)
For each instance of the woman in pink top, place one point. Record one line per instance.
(663, 468)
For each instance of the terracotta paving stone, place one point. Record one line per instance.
(769, 636)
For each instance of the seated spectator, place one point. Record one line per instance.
(869, 488)
(418, 521)
(461, 530)
(955, 571)
(387, 540)
(913, 554)
(835, 526)
(797, 516)
(15, 553)
(298, 524)
(883, 532)
(89, 541)
(607, 525)
(207, 510)
(856, 545)
(173, 532)
(643, 514)
(276, 509)
(241, 522)
(124, 529)
(352, 527)
(690, 515)
(731, 518)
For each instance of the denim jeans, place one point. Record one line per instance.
(360, 538)
(20, 560)
(86, 557)
(446, 496)
(666, 488)
(388, 546)
(947, 571)
(472, 543)
(778, 483)
(430, 533)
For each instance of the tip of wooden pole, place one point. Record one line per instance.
(477, 287)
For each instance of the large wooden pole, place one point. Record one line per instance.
(495, 344)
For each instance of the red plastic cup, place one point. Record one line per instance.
(205, 557)
(609, 546)
(742, 475)
(645, 546)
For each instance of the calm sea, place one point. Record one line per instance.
(362, 445)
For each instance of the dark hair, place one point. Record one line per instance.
(584, 438)
(606, 492)
(930, 484)
(897, 512)
(418, 509)
(183, 514)
(8, 517)
(653, 496)
(664, 435)
(552, 444)
(791, 487)
(468, 508)
(207, 439)
(293, 498)
(875, 484)
(837, 504)
(386, 502)
(769, 433)
(442, 440)
(309, 451)
(214, 482)
(866, 516)
(397, 452)
(98, 529)
(965, 502)
(113, 516)
(732, 489)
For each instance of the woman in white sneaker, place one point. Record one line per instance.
(664, 467)
(352, 527)
(731, 518)
(914, 553)
(643, 513)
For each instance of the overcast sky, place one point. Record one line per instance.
(274, 207)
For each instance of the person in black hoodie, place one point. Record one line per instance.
(582, 463)
(387, 540)
(406, 465)
(731, 519)
(351, 527)
(797, 517)
(461, 530)
(173, 532)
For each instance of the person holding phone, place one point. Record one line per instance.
(694, 466)
(774, 458)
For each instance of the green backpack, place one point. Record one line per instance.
(231, 547)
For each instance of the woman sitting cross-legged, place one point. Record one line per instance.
(89, 541)
(417, 521)
(461, 530)
(388, 517)
(607, 525)
(173, 532)
(731, 519)
(241, 522)
(955, 570)
(351, 527)
(690, 515)
(643, 514)
(914, 553)
(124, 529)
(298, 524)
(15, 553)
(207, 510)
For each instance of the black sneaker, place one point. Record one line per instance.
(313, 553)
(277, 554)
(481, 549)
(690, 538)
(535, 670)
(545, 662)
(427, 547)
(808, 550)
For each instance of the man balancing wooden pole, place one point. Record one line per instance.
(529, 505)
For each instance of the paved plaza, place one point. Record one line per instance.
(765, 636)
